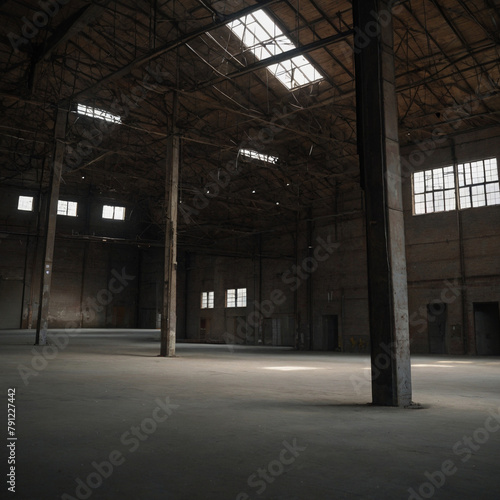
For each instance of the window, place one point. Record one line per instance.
(249, 153)
(434, 191)
(100, 114)
(236, 297)
(207, 300)
(68, 208)
(111, 212)
(241, 297)
(25, 203)
(260, 34)
(479, 184)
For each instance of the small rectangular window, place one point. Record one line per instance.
(241, 297)
(68, 208)
(25, 203)
(112, 212)
(236, 297)
(231, 297)
(207, 300)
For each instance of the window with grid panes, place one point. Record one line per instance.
(434, 191)
(479, 184)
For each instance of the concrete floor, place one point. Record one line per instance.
(242, 423)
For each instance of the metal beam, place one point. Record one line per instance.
(50, 232)
(72, 26)
(169, 312)
(284, 56)
(221, 21)
(377, 115)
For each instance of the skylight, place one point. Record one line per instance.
(264, 39)
(98, 113)
(249, 153)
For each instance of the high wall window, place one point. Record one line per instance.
(207, 300)
(479, 184)
(466, 185)
(236, 297)
(68, 208)
(112, 212)
(25, 203)
(434, 191)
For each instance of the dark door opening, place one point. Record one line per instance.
(487, 327)
(330, 332)
(436, 325)
(204, 329)
(11, 303)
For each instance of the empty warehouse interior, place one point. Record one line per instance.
(250, 249)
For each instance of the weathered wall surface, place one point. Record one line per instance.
(306, 287)
(453, 257)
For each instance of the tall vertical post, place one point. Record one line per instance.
(378, 147)
(169, 315)
(50, 229)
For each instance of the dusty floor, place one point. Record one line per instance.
(104, 418)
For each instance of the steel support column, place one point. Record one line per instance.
(378, 147)
(50, 229)
(169, 315)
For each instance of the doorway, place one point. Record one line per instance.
(11, 303)
(204, 329)
(330, 332)
(436, 325)
(487, 327)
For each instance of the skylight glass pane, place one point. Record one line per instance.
(260, 34)
(249, 153)
(101, 114)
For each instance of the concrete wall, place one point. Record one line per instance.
(95, 279)
(306, 287)
(453, 257)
